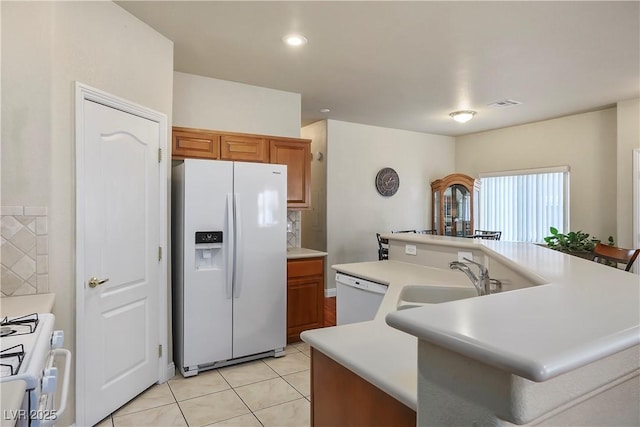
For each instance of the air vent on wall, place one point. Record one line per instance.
(505, 103)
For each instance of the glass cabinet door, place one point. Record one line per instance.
(436, 210)
(457, 208)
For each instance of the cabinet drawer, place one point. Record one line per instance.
(244, 148)
(305, 267)
(194, 144)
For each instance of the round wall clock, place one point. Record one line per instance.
(387, 182)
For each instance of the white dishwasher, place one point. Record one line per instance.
(357, 299)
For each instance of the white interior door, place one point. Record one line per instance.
(119, 234)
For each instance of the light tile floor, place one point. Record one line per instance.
(267, 392)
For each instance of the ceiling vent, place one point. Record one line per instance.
(505, 103)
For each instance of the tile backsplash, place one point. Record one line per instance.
(294, 237)
(24, 250)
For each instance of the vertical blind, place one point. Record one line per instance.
(525, 204)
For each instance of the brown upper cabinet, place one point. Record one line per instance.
(244, 148)
(218, 145)
(297, 156)
(195, 143)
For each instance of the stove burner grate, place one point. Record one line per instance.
(11, 359)
(20, 325)
(5, 331)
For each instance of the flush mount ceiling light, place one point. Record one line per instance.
(462, 116)
(295, 40)
(325, 110)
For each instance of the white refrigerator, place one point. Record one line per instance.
(229, 231)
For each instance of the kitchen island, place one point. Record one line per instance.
(561, 341)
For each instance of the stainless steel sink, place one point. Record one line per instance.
(413, 296)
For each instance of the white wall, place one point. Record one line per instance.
(355, 210)
(46, 47)
(206, 103)
(586, 142)
(314, 232)
(628, 127)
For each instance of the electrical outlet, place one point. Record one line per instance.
(463, 255)
(410, 249)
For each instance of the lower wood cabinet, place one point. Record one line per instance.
(305, 296)
(339, 397)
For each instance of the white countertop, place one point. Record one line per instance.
(586, 312)
(397, 275)
(385, 357)
(382, 355)
(296, 253)
(26, 304)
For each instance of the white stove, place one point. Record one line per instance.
(29, 347)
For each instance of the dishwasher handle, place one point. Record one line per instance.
(363, 284)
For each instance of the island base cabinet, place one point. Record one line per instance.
(341, 398)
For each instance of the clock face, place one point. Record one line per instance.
(387, 182)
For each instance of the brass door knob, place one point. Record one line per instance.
(94, 281)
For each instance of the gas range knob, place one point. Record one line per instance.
(49, 384)
(57, 339)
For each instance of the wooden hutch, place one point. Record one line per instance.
(455, 205)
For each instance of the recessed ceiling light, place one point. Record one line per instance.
(462, 116)
(295, 40)
(325, 110)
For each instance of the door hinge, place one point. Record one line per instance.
(159, 155)
(159, 350)
(159, 253)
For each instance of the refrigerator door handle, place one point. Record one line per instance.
(239, 247)
(230, 245)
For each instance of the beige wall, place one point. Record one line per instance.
(586, 142)
(628, 140)
(355, 211)
(46, 47)
(206, 103)
(314, 233)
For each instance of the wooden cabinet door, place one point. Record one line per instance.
(305, 296)
(297, 156)
(244, 148)
(194, 143)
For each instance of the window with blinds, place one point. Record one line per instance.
(525, 204)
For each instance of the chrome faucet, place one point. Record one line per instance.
(482, 283)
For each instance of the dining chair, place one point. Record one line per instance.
(603, 253)
(383, 248)
(485, 234)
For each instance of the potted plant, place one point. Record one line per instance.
(574, 242)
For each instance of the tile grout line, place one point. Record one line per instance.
(178, 403)
(243, 402)
(112, 417)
